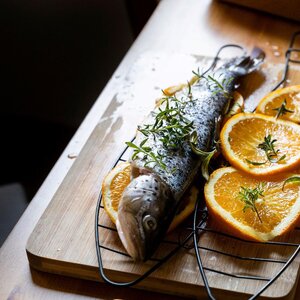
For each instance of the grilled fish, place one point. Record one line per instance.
(163, 167)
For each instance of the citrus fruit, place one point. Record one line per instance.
(273, 212)
(171, 90)
(117, 180)
(261, 145)
(287, 100)
(113, 186)
(187, 207)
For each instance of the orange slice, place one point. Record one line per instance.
(289, 96)
(117, 180)
(276, 211)
(113, 186)
(243, 139)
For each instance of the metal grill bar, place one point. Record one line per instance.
(237, 276)
(243, 257)
(251, 242)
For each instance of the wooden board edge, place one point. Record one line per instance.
(85, 272)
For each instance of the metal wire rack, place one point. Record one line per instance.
(190, 236)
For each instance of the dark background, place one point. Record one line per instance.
(56, 57)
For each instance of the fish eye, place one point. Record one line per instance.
(149, 223)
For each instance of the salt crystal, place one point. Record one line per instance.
(276, 53)
(72, 155)
(274, 47)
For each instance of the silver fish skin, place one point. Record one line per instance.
(150, 201)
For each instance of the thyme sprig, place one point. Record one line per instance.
(282, 110)
(270, 151)
(250, 196)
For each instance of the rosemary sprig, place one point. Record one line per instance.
(269, 148)
(293, 179)
(173, 129)
(148, 155)
(251, 196)
(270, 151)
(216, 86)
(255, 163)
(282, 110)
(206, 155)
(171, 126)
(219, 87)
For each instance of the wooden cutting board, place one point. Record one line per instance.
(63, 241)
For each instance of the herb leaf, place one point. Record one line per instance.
(255, 163)
(250, 196)
(269, 148)
(149, 156)
(219, 87)
(171, 126)
(290, 180)
(271, 153)
(282, 110)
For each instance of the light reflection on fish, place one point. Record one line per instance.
(149, 203)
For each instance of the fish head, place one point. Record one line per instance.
(144, 214)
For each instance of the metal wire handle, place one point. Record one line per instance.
(288, 59)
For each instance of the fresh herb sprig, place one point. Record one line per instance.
(216, 86)
(250, 196)
(293, 179)
(269, 148)
(206, 155)
(148, 155)
(268, 145)
(171, 127)
(282, 110)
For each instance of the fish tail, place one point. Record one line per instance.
(246, 64)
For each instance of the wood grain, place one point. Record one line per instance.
(189, 26)
(63, 240)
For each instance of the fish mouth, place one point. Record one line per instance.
(131, 237)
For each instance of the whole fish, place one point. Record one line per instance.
(164, 163)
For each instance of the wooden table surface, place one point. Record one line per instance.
(190, 27)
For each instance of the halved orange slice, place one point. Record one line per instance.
(283, 103)
(113, 186)
(261, 145)
(251, 208)
(117, 180)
